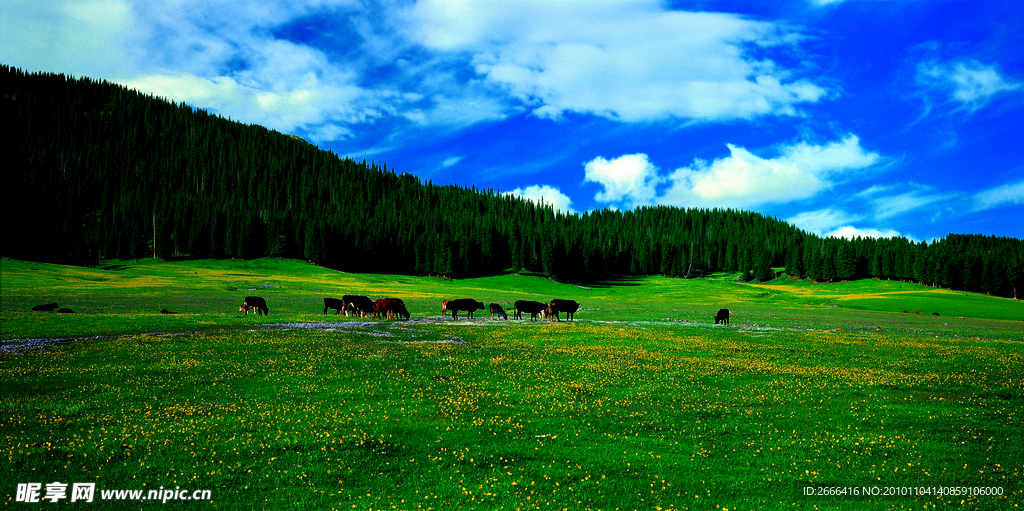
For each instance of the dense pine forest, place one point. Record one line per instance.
(93, 170)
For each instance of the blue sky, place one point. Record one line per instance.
(844, 117)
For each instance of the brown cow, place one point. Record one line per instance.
(496, 309)
(387, 306)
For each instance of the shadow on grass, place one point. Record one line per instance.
(609, 282)
(115, 267)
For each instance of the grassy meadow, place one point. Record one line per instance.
(641, 403)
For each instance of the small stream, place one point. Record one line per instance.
(380, 329)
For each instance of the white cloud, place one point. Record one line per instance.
(318, 109)
(216, 55)
(968, 82)
(850, 232)
(822, 220)
(1012, 193)
(890, 206)
(836, 223)
(874, 190)
(631, 178)
(631, 61)
(450, 161)
(435, 63)
(744, 179)
(456, 108)
(549, 195)
(92, 38)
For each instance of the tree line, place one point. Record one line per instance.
(97, 171)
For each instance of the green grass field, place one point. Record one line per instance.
(642, 403)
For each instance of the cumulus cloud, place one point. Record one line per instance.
(630, 178)
(545, 194)
(745, 179)
(742, 179)
(968, 82)
(630, 61)
(1008, 194)
(434, 63)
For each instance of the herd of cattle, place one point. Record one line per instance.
(393, 308)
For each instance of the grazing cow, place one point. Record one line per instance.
(165, 311)
(722, 317)
(935, 314)
(46, 307)
(254, 302)
(361, 305)
(464, 304)
(387, 306)
(569, 307)
(333, 303)
(65, 310)
(378, 308)
(496, 309)
(533, 308)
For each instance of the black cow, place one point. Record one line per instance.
(333, 303)
(46, 307)
(388, 306)
(533, 308)
(359, 304)
(496, 309)
(569, 307)
(165, 311)
(722, 317)
(464, 304)
(254, 302)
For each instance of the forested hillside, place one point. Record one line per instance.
(93, 170)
